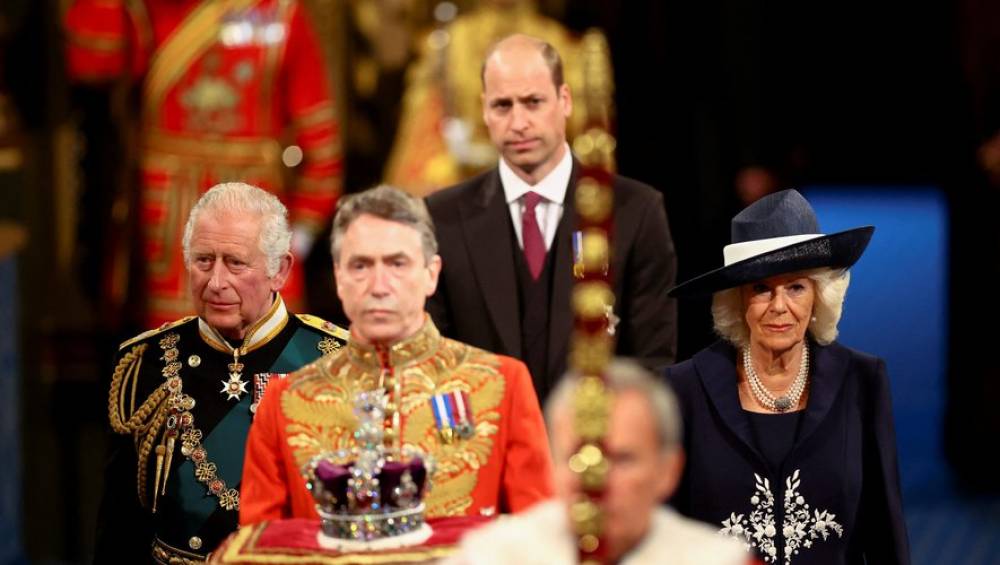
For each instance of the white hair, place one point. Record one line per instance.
(623, 375)
(729, 312)
(275, 237)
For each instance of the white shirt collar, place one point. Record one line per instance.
(552, 187)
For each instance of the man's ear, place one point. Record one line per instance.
(284, 270)
(566, 99)
(673, 467)
(434, 266)
(336, 278)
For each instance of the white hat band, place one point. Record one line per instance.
(736, 252)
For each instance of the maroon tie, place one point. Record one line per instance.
(531, 234)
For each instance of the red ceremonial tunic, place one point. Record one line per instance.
(503, 465)
(222, 81)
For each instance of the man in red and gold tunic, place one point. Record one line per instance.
(221, 81)
(473, 412)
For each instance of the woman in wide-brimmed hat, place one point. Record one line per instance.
(789, 435)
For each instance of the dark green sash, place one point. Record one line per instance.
(227, 441)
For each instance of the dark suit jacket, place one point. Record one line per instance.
(843, 461)
(477, 297)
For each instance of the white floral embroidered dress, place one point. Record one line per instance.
(800, 527)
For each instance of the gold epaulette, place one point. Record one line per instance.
(322, 325)
(155, 331)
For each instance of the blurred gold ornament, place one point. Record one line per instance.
(596, 250)
(590, 352)
(589, 544)
(593, 201)
(586, 517)
(590, 299)
(592, 404)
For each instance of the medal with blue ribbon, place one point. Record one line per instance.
(453, 415)
(578, 254)
(442, 417)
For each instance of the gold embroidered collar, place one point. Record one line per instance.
(413, 349)
(260, 333)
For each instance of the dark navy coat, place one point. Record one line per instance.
(836, 497)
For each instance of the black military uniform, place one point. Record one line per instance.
(180, 403)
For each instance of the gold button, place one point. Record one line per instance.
(194, 542)
(194, 361)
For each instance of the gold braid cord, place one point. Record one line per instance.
(145, 448)
(144, 423)
(592, 345)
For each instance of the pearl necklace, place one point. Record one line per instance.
(791, 397)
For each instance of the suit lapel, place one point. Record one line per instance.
(560, 313)
(717, 371)
(486, 223)
(825, 380)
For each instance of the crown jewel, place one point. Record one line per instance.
(369, 492)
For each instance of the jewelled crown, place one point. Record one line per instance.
(369, 492)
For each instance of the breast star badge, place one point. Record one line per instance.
(235, 387)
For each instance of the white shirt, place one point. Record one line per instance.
(552, 189)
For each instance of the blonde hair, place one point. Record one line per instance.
(728, 310)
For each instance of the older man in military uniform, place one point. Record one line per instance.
(183, 396)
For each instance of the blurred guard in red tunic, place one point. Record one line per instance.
(221, 82)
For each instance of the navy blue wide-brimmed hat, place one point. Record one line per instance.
(775, 235)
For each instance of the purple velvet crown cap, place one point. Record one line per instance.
(392, 475)
(334, 478)
(418, 472)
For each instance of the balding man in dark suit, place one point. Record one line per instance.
(506, 236)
